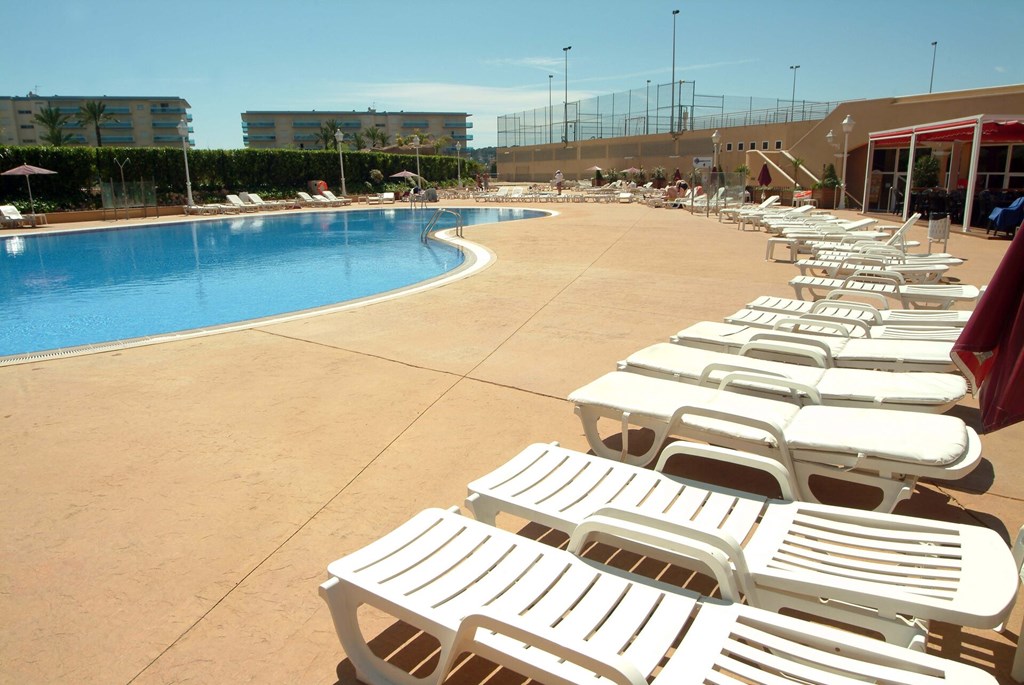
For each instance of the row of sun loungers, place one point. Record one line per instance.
(845, 403)
(252, 202)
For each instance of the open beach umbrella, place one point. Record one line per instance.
(27, 170)
(631, 170)
(990, 351)
(593, 168)
(407, 174)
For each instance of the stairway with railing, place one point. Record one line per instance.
(435, 217)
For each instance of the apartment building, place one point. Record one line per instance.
(299, 130)
(137, 122)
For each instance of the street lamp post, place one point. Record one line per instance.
(340, 137)
(716, 138)
(183, 132)
(416, 145)
(647, 114)
(931, 81)
(458, 162)
(848, 124)
(792, 99)
(672, 112)
(565, 114)
(550, 111)
(830, 138)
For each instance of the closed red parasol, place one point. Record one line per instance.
(990, 351)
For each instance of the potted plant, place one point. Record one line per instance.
(598, 179)
(658, 176)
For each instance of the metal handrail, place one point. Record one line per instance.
(424, 234)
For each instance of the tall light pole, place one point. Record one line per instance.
(183, 132)
(716, 138)
(550, 111)
(458, 161)
(848, 123)
(792, 99)
(672, 112)
(565, 114)
(416, 144)
(935, 48)
(830, 138)
(339, 137)
(647, 115)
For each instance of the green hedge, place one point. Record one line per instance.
(272, 173)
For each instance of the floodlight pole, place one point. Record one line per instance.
(183, 132)
(931, 81)
(792, 99)
(565, 114)
(458, 162)
(647, 114)
(339, 136)
(550, 111)
(672, 111)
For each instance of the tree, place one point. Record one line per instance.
(54, 122)
(926, 172)
(376, 137)
(95, 113)
(359, 139)
(444, 142)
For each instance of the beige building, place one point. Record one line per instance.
(776, 140)
(299, 130)
(137, 122)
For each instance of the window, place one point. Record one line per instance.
(753, 145)
(778, 144)
(24, 111)
(27, 126)
(138, 108)
(728, 147)
(764, 144)
(739, 146)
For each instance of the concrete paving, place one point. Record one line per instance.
(170, 510)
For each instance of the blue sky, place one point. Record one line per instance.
(493, 58)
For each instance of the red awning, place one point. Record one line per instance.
(993, 130)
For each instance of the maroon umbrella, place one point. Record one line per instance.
(27, 170)
(764, 179)
(990, 351)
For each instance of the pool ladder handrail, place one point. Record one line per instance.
(433, 222)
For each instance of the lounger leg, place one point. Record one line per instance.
(894, 487)
(589, 418)
(369, 668)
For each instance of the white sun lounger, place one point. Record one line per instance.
(548, 615)
(911, 272)
(921, 392)
(834, 305)
(821, 350)
(890, 284)
(884, 449)
(828, 324)
(888, 573)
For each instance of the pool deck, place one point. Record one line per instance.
(170, 510)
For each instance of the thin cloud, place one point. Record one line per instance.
(539, 63)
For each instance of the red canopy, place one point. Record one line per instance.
(994, 129)
(990, 351)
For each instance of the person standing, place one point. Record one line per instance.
(559, 179)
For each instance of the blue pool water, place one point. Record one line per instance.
(69, 289)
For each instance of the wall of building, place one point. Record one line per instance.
(298, 130)
(805, 140)
(138, 121)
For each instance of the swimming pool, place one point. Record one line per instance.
(62, 290)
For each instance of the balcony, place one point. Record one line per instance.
(463, 136)
(116, 124)
(458, 124)
(306, 124)
(118, 139)
(169, 139)
(166, 110)
(246, 125)
(414, 124)
(304, 137)
(262, 138)
(351, 124)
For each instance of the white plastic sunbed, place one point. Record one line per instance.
(890, 284)
(820, 350)
(883, 449)
(851, 327)
(548, 615)
(921, 392)
(889, 573)
(875, 314)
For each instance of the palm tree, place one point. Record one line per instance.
(377, 137)
(95, 113)
(359, 139)
(54, 122)
(443, 142)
